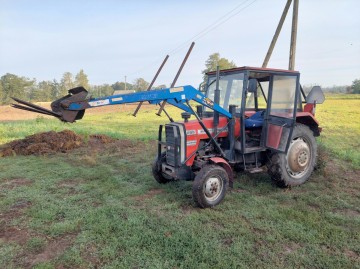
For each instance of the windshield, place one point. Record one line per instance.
(230, 85)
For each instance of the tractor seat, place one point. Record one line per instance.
(255, 121)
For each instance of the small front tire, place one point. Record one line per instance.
(210, 185)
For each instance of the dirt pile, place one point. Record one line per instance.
(103, 139)
(49, 142)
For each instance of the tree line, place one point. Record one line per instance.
(31, 90)
(48, 90)
(354, 88)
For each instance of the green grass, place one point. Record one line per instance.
(340, 119)
(102, 208)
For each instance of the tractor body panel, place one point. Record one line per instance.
(195, 134)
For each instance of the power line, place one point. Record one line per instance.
(213, 28)
(220, 21)
(208, 28)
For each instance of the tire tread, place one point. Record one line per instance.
(197, 193)
(277, 162)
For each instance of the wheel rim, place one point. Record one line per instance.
(298, 157)
(212, 188)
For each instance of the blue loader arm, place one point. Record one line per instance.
(72, 106)
(174, 96)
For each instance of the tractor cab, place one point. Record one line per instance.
(266, 100)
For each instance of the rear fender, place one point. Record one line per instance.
(308, 119)
(224, 164)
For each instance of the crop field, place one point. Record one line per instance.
(97, 206)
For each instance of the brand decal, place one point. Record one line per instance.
(190, 132)
(117, 99)
(99, 102)
(177, 89)
(211, 130)
(208, 102)
(191, 143)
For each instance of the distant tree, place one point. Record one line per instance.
(42, 92)
(335, 89)
(120, 86)
(356, 86)
(215, 60)
(35, 94)
(106, 89)
(101, 90)
(55, 90)
(140, 84)
(329, 89)
(66, 83)
(162, 86)
(14, 86)
(81, 79)
(1, 92)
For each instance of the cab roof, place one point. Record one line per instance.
(258, 69)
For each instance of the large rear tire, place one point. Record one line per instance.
(210, 185)
(295, 167)
(159, 176)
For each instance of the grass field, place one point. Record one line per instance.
(100, 207)
(340, 118)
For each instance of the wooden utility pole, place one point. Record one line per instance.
(276, 35)
(151, 84)
(162, 105)
(293, 35)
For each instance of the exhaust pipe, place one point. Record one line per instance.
(216, 100)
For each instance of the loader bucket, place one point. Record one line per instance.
(59, 108)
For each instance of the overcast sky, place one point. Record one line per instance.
(111, 39)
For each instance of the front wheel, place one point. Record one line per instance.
(296, 166)
(210, 186)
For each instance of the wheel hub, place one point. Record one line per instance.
(212, 188)
(298, 157)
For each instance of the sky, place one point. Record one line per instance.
(113, 39)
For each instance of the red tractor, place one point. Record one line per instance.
(248, 118)
(270, 127)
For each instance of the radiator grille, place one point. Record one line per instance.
(172, 154)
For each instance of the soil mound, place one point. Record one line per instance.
(49, 142)
(103, 139)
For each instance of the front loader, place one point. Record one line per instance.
(247, 119)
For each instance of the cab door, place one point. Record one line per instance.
(280, 115)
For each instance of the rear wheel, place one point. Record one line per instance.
(210, 186)
(295, 167)
(159, 176)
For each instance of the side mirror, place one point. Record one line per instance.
(316, 96)
(252, 87)
(202, 87)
